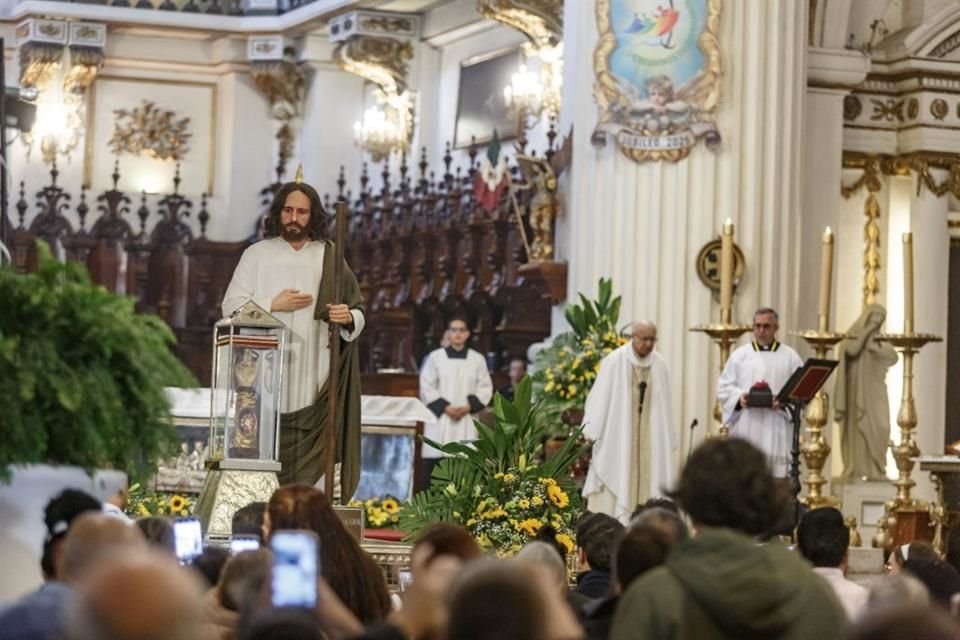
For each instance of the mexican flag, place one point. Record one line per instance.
(491, 179)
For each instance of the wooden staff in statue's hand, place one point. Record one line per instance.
(338, 314)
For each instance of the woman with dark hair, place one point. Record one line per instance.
(352, 574)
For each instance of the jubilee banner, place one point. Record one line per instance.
(657, 66)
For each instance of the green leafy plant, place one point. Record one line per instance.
(566, 370)
(83, 373)
(495, 487)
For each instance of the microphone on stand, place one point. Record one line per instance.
(693, 425)
(643, 391)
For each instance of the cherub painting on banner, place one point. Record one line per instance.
(657, 69)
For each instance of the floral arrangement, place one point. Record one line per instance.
(379, 513)
(514, 507)
(566, 370)
(494, 486)
(144, 503)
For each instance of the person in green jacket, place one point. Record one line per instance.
(724, 582)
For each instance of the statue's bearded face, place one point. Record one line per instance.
(295, 217)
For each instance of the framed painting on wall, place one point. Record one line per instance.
(480, 104)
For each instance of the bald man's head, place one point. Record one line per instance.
(94, 538)
(644, 334)
(141, 596)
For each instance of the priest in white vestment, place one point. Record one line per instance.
(763, 360)
(455, 385)
(634, 451)
(285, 276)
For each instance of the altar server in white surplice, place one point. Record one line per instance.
(454, 384)
(633, 451)
(763, 360)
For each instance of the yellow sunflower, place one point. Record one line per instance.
(566, 541)
(530, 526)
(177, 504)
(557, 496)
(390, 505)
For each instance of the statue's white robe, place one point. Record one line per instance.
(267, 268)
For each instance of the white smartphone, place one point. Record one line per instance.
(296, 560)
(244, 543)
(188, 539)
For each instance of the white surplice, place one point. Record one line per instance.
(767, 429)
(610, 419)
(446, 380)
(267, 268)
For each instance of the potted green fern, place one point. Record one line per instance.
(83, 388)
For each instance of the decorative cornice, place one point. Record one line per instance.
(540, 20)
(836, 68)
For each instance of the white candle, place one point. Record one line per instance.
(826, 279)
(908, 283)
(726, 272)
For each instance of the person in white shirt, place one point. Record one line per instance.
(454, 384)
(764, 360)
(823, 538)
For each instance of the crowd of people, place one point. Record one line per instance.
(702, 563)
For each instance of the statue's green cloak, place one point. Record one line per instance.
(302, 432)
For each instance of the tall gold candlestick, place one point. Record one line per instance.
(726, 272)
(826, 280)
(814, 447)
(908, 283)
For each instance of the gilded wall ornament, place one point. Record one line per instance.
(389, 25)
(382, 61)
(284, 83)
(913, 108)
(888, 110)
(708, 265)
(939, 109)
(852, 108)
(657, 76)
(38, 62)
(151, 131)
(540, 20)
(85, 63)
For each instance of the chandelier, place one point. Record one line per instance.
(533, 95)
(386, 127)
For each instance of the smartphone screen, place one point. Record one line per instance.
(244, 543)
(188, 539)
(404, 578)
(295, 559)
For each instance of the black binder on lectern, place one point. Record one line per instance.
(806, 381)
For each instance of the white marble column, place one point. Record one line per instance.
(643, 224)
(335, 101)
(831, 74)
(931, 241)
